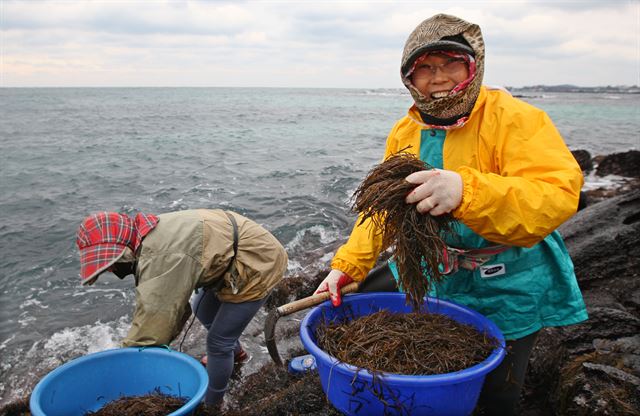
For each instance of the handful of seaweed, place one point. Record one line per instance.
(416, 238)
(415, 343)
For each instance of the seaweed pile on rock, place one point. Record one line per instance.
(273, 391)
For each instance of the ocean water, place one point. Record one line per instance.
(287, 158)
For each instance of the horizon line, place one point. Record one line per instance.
(620, 86)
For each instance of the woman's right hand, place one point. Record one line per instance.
(335, 280)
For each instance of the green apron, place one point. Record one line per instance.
(521, 289)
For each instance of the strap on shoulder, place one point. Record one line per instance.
(235, 235)
(231, 267)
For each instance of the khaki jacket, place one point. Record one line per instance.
(193, 249)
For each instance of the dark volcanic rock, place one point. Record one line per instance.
(622, 164)
(273, 392)
(594, 368)
(584, 159)
(603, 240)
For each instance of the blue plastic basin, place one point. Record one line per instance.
(351, 390)
(89, 382)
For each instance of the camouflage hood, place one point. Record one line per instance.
(445, 32)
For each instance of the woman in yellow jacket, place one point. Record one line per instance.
(504, 172)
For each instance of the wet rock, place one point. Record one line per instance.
(621, 164)
(593, 385)
(624, 166)
(18, 407)
(603, 243)
(274, 391)
(593, 368)
(619, 187)
(293, 288)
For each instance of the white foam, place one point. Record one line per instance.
(592, 181)
(89, 338)
(33, 302)
(293, 266)
(176, 202)
(110, 293)
(347, 199)
(4, 343)
(25, 320)
(326, 258)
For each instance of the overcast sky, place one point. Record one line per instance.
(305, 43)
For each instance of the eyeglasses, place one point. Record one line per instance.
(451, 67)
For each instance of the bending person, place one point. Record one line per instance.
(232, 263)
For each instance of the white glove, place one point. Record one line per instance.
(335, 280)
(438, 192)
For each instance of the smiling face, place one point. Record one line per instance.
(436, 74)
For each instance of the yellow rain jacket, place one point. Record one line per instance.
(520, 182)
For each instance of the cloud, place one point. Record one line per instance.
(128, 17)
(295, 43)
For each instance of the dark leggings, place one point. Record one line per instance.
(501, 389)
(225, 322)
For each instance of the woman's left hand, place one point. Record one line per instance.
(438, 192)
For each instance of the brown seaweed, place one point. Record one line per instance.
(414, 343)
(416, 239)
(152, 404)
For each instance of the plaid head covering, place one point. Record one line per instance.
(103, 237)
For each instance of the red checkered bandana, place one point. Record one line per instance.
(103, 237)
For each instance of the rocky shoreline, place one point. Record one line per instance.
(622, 168)
(588, 369)
(594, 368)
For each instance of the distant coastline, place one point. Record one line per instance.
(617, 89)
(610, 89)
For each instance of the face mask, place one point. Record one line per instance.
(435, 34)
